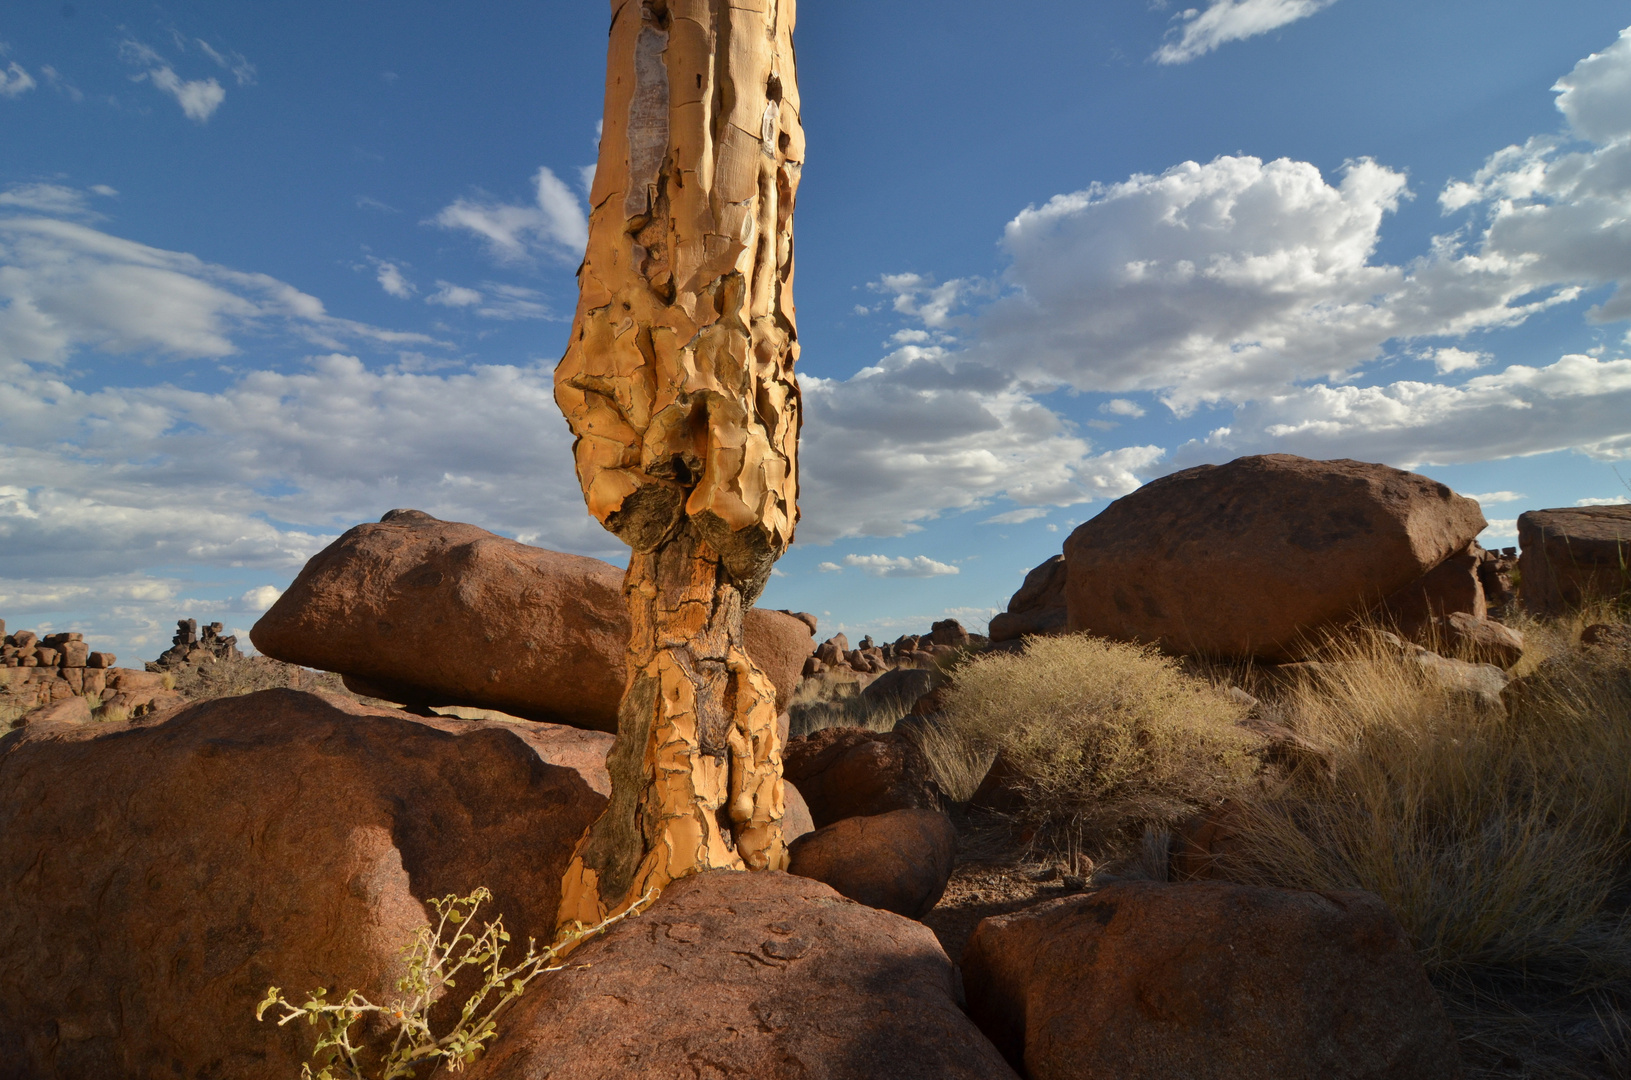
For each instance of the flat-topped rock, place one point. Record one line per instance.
(1574, 555)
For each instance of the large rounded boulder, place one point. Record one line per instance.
(747, 976)
(159, 878)
(1255, 558)
(436, 613)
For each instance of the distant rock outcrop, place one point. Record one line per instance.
(37, 672)
(191, 646)
(944, 639)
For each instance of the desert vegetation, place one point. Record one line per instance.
(1499, 833)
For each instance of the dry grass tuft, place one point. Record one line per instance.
(1104, 738)
(824, 701)
(957, 763)
(1501, 839)
(1498, 842)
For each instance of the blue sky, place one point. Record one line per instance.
(270, 271)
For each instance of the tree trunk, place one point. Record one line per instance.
(696, 769)
(678, 383)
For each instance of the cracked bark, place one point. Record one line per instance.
(678, 385)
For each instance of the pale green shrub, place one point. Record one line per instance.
(1102, 737)
(437, 953)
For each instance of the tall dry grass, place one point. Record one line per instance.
(824, 701)
(1499, 841)
(1102, 738)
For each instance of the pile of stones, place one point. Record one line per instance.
(191, 647)
(908, 651)
(40, 670)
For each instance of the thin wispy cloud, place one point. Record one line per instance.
(1200, 31)
(15, 81)
(900, 566)
(198, 98)
(553, 224)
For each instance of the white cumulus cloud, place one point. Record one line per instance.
(198, 98)
(391, 280)
(918, 435)
(1596, 95)
(260, 598)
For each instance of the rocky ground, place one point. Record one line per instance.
(1050, 853)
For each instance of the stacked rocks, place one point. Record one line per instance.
(908, 651)
(1495, 575)
(41, 670)
(191, 647)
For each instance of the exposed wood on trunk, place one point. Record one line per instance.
(678, 383)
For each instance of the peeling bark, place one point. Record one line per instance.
(678, 384)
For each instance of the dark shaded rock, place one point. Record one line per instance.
(902, 687)
(852, 772)
(1574, 555)
(1038, 608)
(899, 861)
(1452, 587)
(1207, 981)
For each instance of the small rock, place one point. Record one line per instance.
(69, 710)
(852, 772)
(796, 819)
(899, 861)
(1487, 640)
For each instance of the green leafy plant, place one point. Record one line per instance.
(440, 951)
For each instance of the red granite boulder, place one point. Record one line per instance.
(899, 861)
(1255, 558)
(747, 976)
(430, 613)
(1207, 981)
(1574, 555)
(160, 877)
